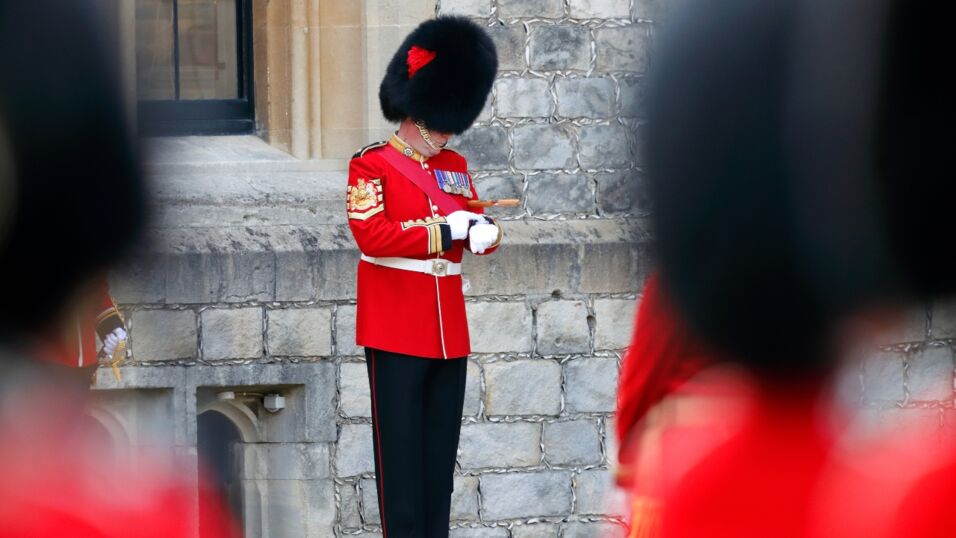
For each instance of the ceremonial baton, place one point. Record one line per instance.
(504, 202)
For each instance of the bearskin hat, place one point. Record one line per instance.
(441, 75)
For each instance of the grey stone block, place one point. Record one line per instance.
(593, 529)
(479, 532)
(622, 49)
(472, 390)
(523, 387)
(930, 374)
(350, 507)
(538, 9)
(500, 444)
(509, 40)
(521, 269)
(563, 327)
(614, 323)
(335, 273)
(485, 148)
(518, 97)
(614, 267)
(192, 277)
(487, 112)
(248, 274)
(560, 193)
(303, 508)
(535, 530)
(633, 91)
(163, 335)
(370, 511)
(600, 9)
(580, 97)
(603, 146)
(300, 331)
(944, 319)
(345, 331)
(622, 192)
(354, 394)
(354, 450)
(913, 327)
(468, 8)
(140, 280)
(234, 333)
(596, 494)
(902, 423)
(497, 327)
(497, 187)
(576, 442)
(654, 10)
(544, 146)
(464, 499)
(286, 461)
(560, 47)
(591, 385)
(521, 495)
(883, 377)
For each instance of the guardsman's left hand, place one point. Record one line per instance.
(482, 236)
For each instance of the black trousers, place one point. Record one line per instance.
(416, 420)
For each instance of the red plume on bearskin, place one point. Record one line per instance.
(417, 59)
(441, 74)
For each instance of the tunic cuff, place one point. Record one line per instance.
(445, 237)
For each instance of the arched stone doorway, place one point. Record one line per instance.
(217, 446)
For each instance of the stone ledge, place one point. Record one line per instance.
(288, 263)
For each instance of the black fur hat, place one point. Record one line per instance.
(441, 75)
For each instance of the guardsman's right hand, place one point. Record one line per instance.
(460, 221)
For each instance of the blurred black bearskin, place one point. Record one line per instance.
(441, 75)
(800, 166)
(73, 197)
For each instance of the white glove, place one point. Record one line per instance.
(459, 222)
(112, 340)
(481, 237)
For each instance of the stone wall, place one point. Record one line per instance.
(561, 127)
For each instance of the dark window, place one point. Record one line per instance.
(193, 66)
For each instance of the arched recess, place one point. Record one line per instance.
(225, 429)
(241, 416)
(117, 428)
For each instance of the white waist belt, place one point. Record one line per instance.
(435, 267)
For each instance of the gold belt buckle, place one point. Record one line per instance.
(439, 267)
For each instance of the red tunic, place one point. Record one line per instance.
(404, 311)
(662, 356)
(76, 345)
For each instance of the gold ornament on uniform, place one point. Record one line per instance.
(365, 199)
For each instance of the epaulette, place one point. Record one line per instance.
(371, 146)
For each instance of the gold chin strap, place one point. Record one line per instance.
(423, 129)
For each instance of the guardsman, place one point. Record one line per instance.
(408, 208)
(97, 318)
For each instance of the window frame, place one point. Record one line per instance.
(175, 117)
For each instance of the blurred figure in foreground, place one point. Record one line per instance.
(800, 168)
(68, 172)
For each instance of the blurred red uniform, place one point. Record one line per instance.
(76, 346)
(59, 482)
